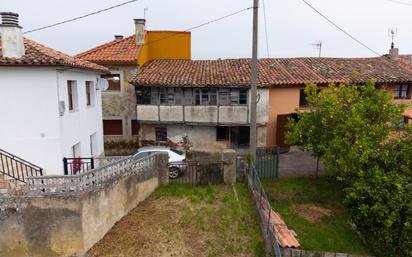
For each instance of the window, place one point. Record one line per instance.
(196, 96)
(178, 96)
(76, 151)
(72, 95)
(143, 95)
(187, 96)
(402, 92)
(161, 134)
(89, 93)
(234, 96)
(205, 96)
(243, 96)
(224, 96)
(113, 127)
(162, 95)
(93, 144)
(222, 133)
(171, 96)
(113, 85)
(213, 96)
(135, 127)
(302, 98)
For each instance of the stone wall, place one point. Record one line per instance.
(288, 252)
(70, 224)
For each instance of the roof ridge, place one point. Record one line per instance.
(102, 46)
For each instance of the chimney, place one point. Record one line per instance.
(140, 28)
(12, 42)
(393, 52)
(118, 37)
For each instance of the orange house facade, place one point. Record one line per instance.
(210, 122)
(124, 56)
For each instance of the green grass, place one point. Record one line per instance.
(332, 233)
(229, 225)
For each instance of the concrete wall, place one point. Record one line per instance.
(49, 226)
(31, 126)
(298, 163)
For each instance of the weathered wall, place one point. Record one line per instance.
(121, 104)
(66, 225)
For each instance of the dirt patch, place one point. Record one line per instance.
(180, 226)
(311, 213)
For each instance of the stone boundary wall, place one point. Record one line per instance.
(288, 252)
(47, 225)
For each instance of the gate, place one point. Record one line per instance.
(198, 173)
(267, 163)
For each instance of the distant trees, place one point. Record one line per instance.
(354, 130)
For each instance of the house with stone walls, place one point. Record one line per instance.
(207, 102)
(50, 106)
(123, 56)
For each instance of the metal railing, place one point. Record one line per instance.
(73, 166)
(264, 209)
(195, 172)
(17, 168)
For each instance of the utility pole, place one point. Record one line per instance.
(254, 74)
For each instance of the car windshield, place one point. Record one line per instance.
(176, 151)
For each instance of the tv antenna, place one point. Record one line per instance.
(392, 33)
(318, 45)
(145, 10)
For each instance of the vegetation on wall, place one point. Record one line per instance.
(357, 132)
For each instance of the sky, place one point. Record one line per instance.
(292, 27)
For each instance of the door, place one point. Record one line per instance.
(282, 121)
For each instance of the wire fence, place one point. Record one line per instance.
(264, 209)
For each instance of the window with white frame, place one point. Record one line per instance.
(90, 93)
(72, 95)
(93, 144)
(402, 91)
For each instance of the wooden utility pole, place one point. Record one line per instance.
(253, 90)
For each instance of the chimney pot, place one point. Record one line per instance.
(12, 42)
(118, 37)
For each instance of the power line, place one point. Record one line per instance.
(80, 17)
(266, 29)
(201, 25)
(341, 29)
(399, 2)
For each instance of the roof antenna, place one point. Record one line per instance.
(392, 33)
(145, 10)
(318, 45)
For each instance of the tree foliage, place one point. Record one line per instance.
(355, 130)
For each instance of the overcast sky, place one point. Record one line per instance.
(292, 25)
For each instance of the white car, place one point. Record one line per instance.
(177, 159)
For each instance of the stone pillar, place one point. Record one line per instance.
(229, 170)
(162, 164)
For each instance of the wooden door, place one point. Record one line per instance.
(282, 121)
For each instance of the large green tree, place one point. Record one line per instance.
(357, 132)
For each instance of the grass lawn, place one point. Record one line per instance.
(187, 221)
(313, 208)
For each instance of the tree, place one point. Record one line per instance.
(351, 128)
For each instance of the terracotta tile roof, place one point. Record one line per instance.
(40, 55)
(272, 72)
(116, 51)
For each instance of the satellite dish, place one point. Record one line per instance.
(102, 84)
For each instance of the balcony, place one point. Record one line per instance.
(194, 114)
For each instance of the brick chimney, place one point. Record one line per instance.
(393, 52)
(12, 43)
(140, 30)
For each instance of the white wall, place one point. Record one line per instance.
(30, 125)
(78, 125)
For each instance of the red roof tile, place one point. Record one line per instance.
(40, 55)
(272, 72)
(116, 51)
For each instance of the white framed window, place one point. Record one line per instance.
(76, 151)
(93, 144)
(72, 96)
(90, 93)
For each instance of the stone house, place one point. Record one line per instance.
(50, 102)
(123, 56)
(206, 102)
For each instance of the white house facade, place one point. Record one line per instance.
(50, 105)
